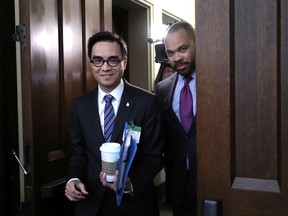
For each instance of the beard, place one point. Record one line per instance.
(188, 70)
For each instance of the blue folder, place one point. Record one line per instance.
(127, 154)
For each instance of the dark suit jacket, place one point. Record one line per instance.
(136, 105)
(178, 144)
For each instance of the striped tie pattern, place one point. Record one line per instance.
(109, 117)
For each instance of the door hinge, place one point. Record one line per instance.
(20, 36)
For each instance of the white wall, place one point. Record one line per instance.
(183, 9)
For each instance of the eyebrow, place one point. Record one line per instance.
(95, 56)
(178, 49)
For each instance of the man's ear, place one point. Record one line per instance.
(125, 61)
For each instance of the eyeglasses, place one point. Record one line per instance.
(111, 61)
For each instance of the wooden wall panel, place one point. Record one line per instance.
(55, 70)
(46, 97)
(92, 26)
(72, 69)
(282, 80)
(256, 89)
(242, 105)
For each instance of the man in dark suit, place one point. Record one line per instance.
(180, 143)
(86, 182)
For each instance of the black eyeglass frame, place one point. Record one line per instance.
(117, 61)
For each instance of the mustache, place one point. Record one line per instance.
(192, 64)
(177, 64)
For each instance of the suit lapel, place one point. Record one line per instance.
(172, 86)
(193, 126)
(95, 119)
(125, 107)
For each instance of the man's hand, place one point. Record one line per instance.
(75, 190)
(112, 186)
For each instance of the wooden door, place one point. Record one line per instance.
(54, 70)
(9, 168)
(242, 105)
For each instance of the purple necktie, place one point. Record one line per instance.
(109, 117)
(186, 105)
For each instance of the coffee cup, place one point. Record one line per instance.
(109, 157)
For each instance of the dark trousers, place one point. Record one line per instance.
(189, 205)
(187, 208)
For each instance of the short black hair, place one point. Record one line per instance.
(182, 25)
(107, 36)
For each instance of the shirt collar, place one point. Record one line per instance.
(193, 75)
(116, 93)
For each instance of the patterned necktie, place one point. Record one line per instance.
(186, 105)
(109, 117)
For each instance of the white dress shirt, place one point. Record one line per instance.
(117, 94)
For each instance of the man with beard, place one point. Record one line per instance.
(177, 95)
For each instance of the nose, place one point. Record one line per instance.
(105, 66)
(177, 56)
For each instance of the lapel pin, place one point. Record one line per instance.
(127, 104)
